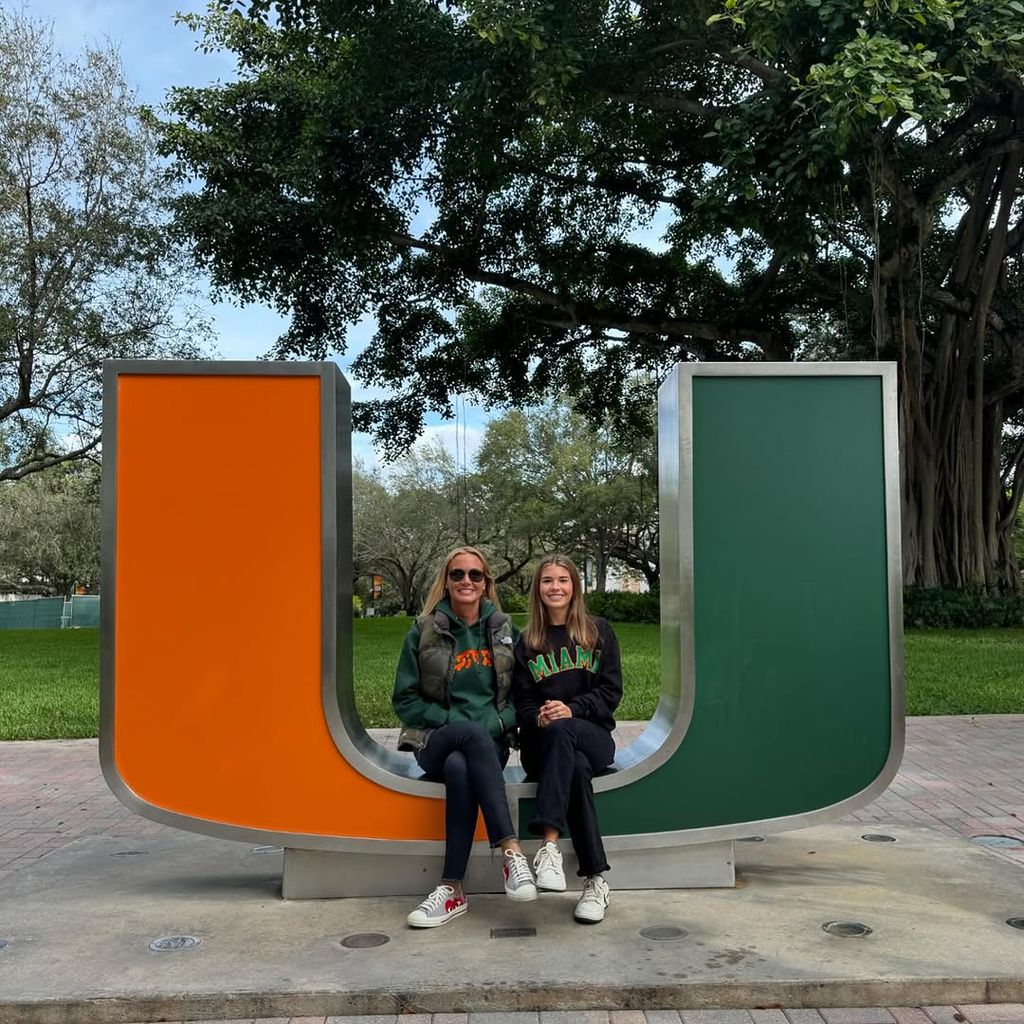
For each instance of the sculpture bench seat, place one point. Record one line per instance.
(226, 486)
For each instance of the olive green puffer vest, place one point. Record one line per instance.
(436, 657)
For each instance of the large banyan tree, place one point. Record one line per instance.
(536, 198)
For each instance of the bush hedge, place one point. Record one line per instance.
(617, 606)
(922, 609)
(512, 600)
(938, 608)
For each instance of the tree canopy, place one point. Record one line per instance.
(50, 529)
(538, 199)
(543, 479)
(85, 269)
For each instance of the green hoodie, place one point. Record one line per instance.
(471, 688)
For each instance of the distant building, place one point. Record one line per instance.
(622, 578)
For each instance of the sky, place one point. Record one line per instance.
(157, 54)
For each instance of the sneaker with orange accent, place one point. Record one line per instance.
(438, 908)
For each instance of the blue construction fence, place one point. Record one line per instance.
(82, 610)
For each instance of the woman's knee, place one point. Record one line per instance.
(477, 743)
(559, 733)
(456, 771)
(582, 769)
(477, 731)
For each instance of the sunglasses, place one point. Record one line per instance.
(476, 575)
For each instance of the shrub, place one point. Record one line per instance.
(512, 600)
(940, 608)
(618, 606)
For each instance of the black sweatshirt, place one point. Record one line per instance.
(588, 681)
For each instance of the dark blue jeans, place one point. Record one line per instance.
(564, 757)
(469, 762)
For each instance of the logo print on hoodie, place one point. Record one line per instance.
(552, 663)
(467, 659)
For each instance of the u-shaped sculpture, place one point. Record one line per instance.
(227, 700)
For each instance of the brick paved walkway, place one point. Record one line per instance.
(961, 776)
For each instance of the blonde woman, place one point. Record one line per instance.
(451, 694)
(567, 685)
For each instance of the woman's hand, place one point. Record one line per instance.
(551, 711)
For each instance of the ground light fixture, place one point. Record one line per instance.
(663, 933)
(174, 943)
(1001, 842)
(846, 929)
(365, 940)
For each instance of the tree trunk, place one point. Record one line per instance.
(960, 380)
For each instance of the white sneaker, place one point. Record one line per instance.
(548, 867)
(439, 907)
(518, 880)
(594, 900)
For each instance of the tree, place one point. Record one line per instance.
(86, 272)
(542, 480)
(551, 480)
(50, 529)
(838, 177)
(404, 523)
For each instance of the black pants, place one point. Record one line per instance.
(469, 762)
(563, 757)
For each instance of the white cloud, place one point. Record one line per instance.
(462, 440)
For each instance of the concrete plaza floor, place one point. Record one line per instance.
(85, 885)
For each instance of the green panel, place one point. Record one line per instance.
(85, 611)
(792, 702)
(39, 613)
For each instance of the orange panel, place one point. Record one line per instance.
(217, 709)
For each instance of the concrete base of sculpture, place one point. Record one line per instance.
(319, 874)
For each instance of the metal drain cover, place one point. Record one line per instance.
(267, 849)
(846, 929)
(3, 943)
(174, 943)
(365, 940)
(1003, 841)
(663, 932)
(1016, 922)
(130, 853)
(877, 837)
(513, 933)
(751, 839)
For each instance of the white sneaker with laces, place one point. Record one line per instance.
(548, 867)
(439, 907)
(593, 901)
(518, 880)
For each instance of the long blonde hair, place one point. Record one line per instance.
(579, 624)
(440, 585)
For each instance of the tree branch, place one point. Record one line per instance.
(748, 62)
(969, 164)
(581, 314)
(663, 101)
(45, 461)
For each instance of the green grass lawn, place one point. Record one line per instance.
(49, 678)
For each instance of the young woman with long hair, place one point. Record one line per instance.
(452, 695)
(566, 687)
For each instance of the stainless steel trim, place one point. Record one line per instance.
(672, 718)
